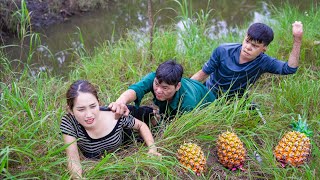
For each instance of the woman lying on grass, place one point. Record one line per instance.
(93, 129)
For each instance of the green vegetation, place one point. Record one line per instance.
(31, 108)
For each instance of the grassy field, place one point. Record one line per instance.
(31, 107)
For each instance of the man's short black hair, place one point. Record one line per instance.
(169, 72)
(261, 33)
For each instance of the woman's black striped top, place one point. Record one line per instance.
(94, 148)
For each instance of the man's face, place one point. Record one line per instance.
(251, 49)
(164, 91)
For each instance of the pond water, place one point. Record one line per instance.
(59, 40)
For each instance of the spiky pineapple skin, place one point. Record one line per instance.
(230, 150)
(192, 157)
(294, 149)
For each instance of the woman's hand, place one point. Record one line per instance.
(153, 151)
(147, 136)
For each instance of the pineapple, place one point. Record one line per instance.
(294, 148)
(230, 150)
(191, 156)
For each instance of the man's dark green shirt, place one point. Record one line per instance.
(191, 94)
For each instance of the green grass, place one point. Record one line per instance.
(31, 108)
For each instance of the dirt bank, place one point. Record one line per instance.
(44, 13)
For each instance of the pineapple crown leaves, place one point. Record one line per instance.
(301, 126)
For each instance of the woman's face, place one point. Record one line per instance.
(86, 109)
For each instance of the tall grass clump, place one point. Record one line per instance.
(24, 31)
(5, 66)
(30, 111)
(32, 106)
(192, 34)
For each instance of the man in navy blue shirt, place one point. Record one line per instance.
(232, 68)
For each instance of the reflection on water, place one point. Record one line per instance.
(60, 41)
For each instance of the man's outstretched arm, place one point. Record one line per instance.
(297, 32)
(200, 76)
(120, 106)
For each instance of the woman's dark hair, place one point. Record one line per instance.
(79, 86)
(169, 72)
(261, 33)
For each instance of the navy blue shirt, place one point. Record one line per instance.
(226, 74)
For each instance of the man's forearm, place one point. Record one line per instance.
(127, 97)
(200, 76)
(295, 54)
(297, 32)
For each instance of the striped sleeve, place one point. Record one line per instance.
(68, 125)
(128, 122)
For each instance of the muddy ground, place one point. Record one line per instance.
(41, 16)
(40, 13)
(44, 13)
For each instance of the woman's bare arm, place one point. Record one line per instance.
(74, 164)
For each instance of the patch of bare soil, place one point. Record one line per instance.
(42, 16)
